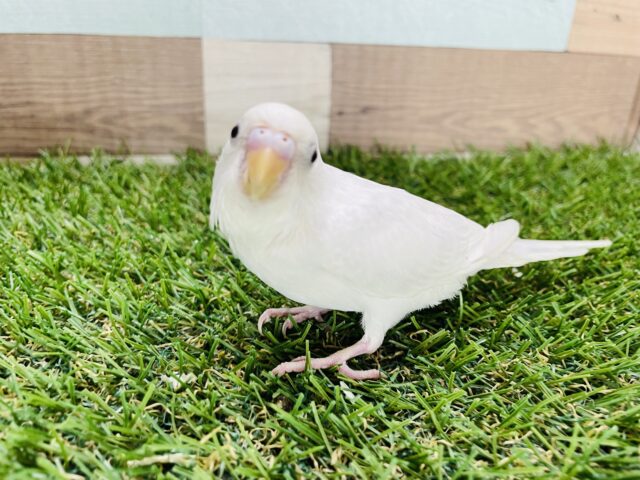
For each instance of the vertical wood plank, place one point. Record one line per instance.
(606, 26)
(633, 127)
(437, 99)
(238, 75)
(133, 94)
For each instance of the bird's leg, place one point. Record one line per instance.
(299, 314)
(366, 344)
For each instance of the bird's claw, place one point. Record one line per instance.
(299, 314)
(264, 318)
(286, 326)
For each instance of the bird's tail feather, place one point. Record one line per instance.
(520, 251)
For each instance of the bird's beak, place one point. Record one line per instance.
(264, 167)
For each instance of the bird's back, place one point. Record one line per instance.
(384, 243)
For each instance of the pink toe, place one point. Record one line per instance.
(288, 367)
(372, 374)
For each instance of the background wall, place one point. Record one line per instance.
(155, 76)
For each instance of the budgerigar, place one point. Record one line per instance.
(334, 241)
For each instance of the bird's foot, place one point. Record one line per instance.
(299, 314)
(337, 359)
(298, 365)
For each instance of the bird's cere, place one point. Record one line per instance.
(263, 137)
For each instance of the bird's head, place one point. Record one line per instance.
(271, 146)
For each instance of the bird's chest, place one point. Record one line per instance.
(280, 245)
(285, 261)
(273, 250)
(283, 265)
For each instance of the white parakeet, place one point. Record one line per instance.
(332, 240)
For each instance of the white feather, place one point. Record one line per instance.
(337, 241)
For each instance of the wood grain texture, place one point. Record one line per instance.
(606, 26)
(635, 145)
(633, 127)
(435, 99)
(132, 94)
(238, 75)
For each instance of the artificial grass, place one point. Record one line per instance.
(129, 348)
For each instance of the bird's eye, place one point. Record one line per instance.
(234, 132)
(314, 156)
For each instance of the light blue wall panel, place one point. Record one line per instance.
(173, 18)
(492, 24)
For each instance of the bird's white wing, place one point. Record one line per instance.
(386, 242)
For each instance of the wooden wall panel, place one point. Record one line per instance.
(606, 26)
(239, 75)
(437, 99)
(633, 127)
(121, 93)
